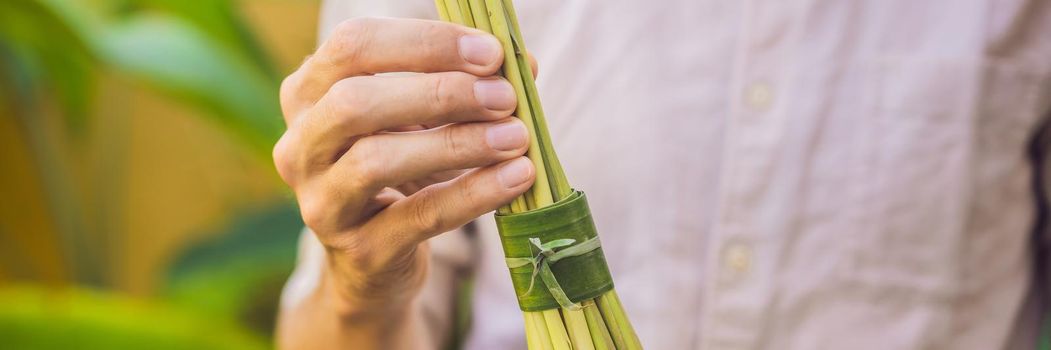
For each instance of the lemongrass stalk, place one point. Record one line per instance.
(615, 331)
(532, 339)
(617, 321)
(556, 330)
(596, 326)
(480, 15)
(560, 187)
(455, 14)
(517, 206)
(577, 326)
(541, 190)
(465, 12)
(443, 12)
(631, 339)
(602, 323)
(536, 329)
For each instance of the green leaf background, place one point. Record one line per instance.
(220, 292)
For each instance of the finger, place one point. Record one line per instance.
(416, 127)
(392, 159)
(414, 186)
(365, 105)
(364, 46)
(533, 64)
(446, 206)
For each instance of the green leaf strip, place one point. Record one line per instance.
(577, 271)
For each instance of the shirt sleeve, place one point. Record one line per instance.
(335, 11)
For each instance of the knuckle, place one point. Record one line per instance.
(351, 97)
(289, 88)
(432, 46)
(284, 158)
(315, 212)
(345, 87)
(468, 191)
(326, 205)
(368, 171)
(456, 141)
(356, 25)
(351, 37)
(440, 98)
(368, 174)
(426, 215)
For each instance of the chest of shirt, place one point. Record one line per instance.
(741, 152)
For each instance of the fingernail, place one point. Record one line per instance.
(495, 94)
(507, 136)
(481, 50)
(514, 173)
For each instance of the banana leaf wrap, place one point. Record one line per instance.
(580, 271)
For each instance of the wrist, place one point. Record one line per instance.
(355, 302)
(369, 326)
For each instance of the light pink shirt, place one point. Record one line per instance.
(784, 174)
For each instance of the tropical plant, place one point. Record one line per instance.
(54, 54)
(38, 318)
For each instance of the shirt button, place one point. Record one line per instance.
(759, 96)
(738, 258)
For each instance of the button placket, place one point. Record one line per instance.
(743, 275)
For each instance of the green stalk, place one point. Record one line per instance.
(480, 14)
(443, 12)
(455, 14)
(465, 12)
(615, 331)
(560, 187)
(577, 326)
(534, 339)
(617, 321)
(556, 330)
(597, 327)
(531, 340)
(602, 323)
(536, 329)
(541, 190)
(631, 339)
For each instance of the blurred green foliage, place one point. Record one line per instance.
(37, 318)
(197, 50)
(222, 292)
(226, 278)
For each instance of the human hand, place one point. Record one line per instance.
(378, 163)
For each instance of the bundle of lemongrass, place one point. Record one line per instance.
(557, 267)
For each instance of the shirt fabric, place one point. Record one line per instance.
(784, 174)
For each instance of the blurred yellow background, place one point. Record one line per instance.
(141, 209)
